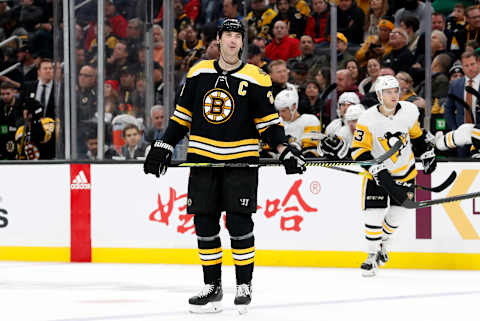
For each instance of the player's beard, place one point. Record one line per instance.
(230, 60)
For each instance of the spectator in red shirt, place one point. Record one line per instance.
(282, 46)
(118, 22)
(317, 22)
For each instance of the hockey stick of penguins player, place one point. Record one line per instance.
(462, 102)
(428, 203)
(450, 179)
(320, 163)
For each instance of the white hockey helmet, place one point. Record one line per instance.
(348, 98)
(385, 82)
(353, 112)
(286, 98)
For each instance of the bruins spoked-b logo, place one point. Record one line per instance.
(218, 106)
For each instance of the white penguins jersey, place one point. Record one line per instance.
(334, 127)
(376, 133)
(300, 129)
(346, 134)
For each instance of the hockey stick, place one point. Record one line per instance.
(428, 203)
(462, 102)
(327, 91)
(321, 163)
(435, 189)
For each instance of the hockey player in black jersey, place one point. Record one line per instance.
(227, 106)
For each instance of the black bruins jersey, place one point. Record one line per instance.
(226, 112)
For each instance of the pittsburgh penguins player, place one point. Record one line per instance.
(227, 106)
(390, 182)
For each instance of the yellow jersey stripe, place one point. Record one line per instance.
(373, 233)
(181, 121)
(222, 157)
(265, 119)
(218, 143)
(410, 176)
(184, 110)
(404, 167)
(358, 152)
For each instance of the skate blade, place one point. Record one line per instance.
(211, 307)
(369, 274)
(242, 308)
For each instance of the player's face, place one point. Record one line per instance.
(285, 114)
(231, 43)
(352, 124)
(391, 97)
(343, 108)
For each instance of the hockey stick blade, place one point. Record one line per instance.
(320, 163)
(450, 179)
(428, 203)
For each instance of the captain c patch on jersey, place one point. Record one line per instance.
(218, 106)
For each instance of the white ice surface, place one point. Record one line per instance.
(147, 292)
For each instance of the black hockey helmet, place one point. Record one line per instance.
(234, 25)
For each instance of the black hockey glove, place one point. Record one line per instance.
(333, 147)
(158, 158)
(429, 161)
(293, 160)
(399, 191)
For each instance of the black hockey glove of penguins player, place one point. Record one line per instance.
(293, 160)
(429, 161)
(333, 147)
(400, 191)
(158, 158)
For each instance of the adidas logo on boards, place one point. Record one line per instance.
(80, 181)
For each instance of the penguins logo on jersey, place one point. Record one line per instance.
(389, 139)
(218, 106)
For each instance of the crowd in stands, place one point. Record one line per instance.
(288, 39)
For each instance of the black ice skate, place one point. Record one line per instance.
(382, 258)
(370, 266)
(243, 297)
(208, 300)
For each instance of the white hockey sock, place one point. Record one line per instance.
(391, 222)
(373, 218)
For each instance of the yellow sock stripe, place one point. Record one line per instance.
(243, 251)
(244, 262)
(212, 262)
(372, 233)
(385, 226)
(210, 251)
(449, 140)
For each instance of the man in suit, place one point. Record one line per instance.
(42, 90)
(455, 113)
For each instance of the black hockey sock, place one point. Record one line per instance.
(240, 227)
(209, 246)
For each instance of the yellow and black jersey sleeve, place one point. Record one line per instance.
(362, 143)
